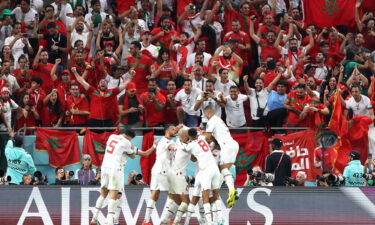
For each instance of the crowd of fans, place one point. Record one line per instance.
(78, 63)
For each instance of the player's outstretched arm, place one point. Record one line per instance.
(148, 152)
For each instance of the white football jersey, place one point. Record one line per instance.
(201, 150)
(163, 155)
(219, 130)
(117, 152)
(181, 158)
(216, 154)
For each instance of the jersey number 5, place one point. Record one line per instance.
(111, 147)
(203, 145)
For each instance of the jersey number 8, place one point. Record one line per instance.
(203, 145)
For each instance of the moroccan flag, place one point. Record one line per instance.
(338, 123)
(327, 13)
(94, 144)
(253, 152)
(147, 162)
(62, 146)
(300, 147)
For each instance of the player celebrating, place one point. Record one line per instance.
(159, 178)
(179, 189)
(229, 148)
(117, 152)
(208, 175)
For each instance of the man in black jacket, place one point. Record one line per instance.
(278, 163)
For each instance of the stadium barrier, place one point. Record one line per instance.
(73, 205)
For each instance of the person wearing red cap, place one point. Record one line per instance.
(62, 86)
(131, 108)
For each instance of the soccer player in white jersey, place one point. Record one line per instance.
(209, 174)
(179, 188)
(117, 152)
(159, 178)
(229, 149)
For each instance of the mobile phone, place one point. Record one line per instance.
(24, 35)
(369, 156)
(107, 16)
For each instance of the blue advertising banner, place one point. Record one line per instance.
(72, 205)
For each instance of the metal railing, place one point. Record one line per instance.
(24, 129)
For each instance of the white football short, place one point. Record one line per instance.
(228, 152)
(177, 182)
(112, 179)
(209, 178)
(159, 182)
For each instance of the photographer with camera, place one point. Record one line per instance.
(256, 177)
(19, 161)
(299, 181)
(278, 163)
(63, 177)
(353, 173)
(135, 178)
(328, 179)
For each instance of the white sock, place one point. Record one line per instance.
(207, 212)
(218, 209)
(169, 211)
(111, 211)
(190, 210)
(118, 210)
(98, 206)
(150, 207)
(228, 178)
(201, 209)
(181, 210)
(214, 212)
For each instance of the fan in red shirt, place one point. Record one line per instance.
(295, 102)
(23, 75)
(77, 108)
(28, 116)
(243, 15)
(99, 66)
(43, 68)
(243, 42)
(62, 86)
(314, 113)
(53, 110)
(154, 103)
(199, 59)
(170, 114)
(164, 32)
(267, 27)
(141, 64)
(266, 45)
(103, 105)
(37, 94)
(164, 69)
(131, 108)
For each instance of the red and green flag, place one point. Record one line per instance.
(253, 152)
(62, 146)
(327, 13)
(147, 162)
(94, 144)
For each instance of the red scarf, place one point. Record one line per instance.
(291, 55)
(126, 106)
